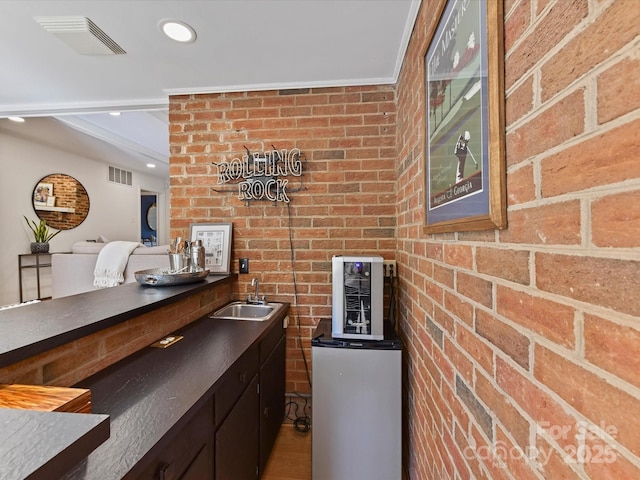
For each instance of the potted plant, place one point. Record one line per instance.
(41, 235)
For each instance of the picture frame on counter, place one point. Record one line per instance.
(216, 240)
(465, 172)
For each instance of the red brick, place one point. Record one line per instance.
(552, 463)
(460, 362)
(512, 265)
(591, 395)
(486, 453)
(548, 318)
(458, 255)
(478, 350)
(549, 415)
(503, 410)
(615, 220)
(477, 409)
(505, 337)
(462, 469)
(613, 347)
(467, 452)
(516, 23)
(615, 27)
(519, 102)
(443, 275)
(619, 87)
(552, 127)
(558, 223)
(514, 457)
(520, 186)
(601, 160)
(548, 32)
(475, 288)
(606, 282)
(604, 460)
(443, 398)
(459, 307)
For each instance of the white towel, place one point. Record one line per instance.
(112, 260)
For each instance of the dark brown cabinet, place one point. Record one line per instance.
(231, 436)
(246, 435)
(202, 466)
(272, 385)
(237, 439)
(189, 454)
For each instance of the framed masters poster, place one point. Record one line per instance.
(464, 93)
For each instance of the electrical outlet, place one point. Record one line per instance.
(390, 269)
(244, 265)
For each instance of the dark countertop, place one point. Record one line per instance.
(42, 326)
(44, 444)
(156, 391)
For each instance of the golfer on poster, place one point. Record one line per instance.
(460, 151)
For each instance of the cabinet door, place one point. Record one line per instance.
(237, 439)
(202, 466)
(191, 448)
(272, 385)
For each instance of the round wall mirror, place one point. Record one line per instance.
(61, 201)
(152, 217)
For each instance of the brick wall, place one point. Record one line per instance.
(69, 193)
(68, 364)
(524, 342)
(519, 342)
(347, 206)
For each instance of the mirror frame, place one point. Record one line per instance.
(61, 200)
(154, 207)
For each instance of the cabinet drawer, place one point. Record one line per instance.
(234, 383)
(193, 444)
(270, 341)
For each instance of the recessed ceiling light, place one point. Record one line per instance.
(178, 31)
(151, 165)
(16, 119)
(114, 114)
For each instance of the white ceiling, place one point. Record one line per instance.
(241, 45)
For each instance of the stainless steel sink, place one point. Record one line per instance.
(248, 311)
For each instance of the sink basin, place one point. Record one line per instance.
(248, 311)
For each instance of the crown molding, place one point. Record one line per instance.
(80, 108)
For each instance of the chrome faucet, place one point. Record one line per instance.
(256, 298)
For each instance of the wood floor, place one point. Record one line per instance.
(291, 456)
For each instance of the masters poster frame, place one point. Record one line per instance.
(216, 240)
(465, 118)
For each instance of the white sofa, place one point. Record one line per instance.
(72, 273)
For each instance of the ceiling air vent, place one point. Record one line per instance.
(118, 175)
(81, 34)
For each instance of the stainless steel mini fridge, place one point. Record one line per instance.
(357, 407)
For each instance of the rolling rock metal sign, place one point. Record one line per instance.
(262, 176)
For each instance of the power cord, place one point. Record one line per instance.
(302, 423)
(295, 296)
(392, 301)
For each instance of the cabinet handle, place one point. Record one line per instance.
(266, 412)
(243, 377)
